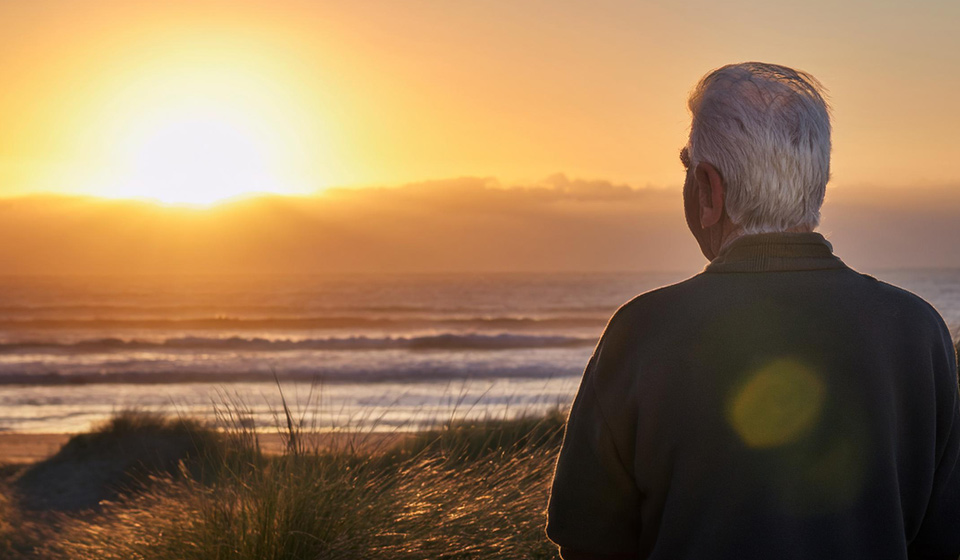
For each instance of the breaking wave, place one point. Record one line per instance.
(302, 323)
(241, 344)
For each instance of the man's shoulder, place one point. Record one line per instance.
(904, 302)
(660, 303)
(668, 292)
(896, 293)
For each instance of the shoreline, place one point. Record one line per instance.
(26, 448)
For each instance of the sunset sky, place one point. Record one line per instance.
(197, 101)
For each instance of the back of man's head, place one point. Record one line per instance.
(766, 129)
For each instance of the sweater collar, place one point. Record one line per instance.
(772, 252)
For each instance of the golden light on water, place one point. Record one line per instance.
(777, 405)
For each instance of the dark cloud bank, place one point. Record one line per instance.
(456, 225)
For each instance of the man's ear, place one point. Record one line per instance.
(711, 192)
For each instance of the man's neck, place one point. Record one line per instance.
(737, 232)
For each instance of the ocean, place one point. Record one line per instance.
(369, 352)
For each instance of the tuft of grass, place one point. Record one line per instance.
(192, 437)
(492, 507)
(122, 455)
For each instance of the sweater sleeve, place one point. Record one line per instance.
(594, 503)
(939, 533)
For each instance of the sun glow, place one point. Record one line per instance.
(198, 158)
(202, 124)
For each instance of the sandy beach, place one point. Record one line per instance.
(19, 448)
(29, 448)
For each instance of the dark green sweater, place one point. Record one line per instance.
(777, 405)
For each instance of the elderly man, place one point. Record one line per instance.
(778, 404)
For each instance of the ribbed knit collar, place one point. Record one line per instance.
(772, 252)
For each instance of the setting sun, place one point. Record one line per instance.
(188, 116)
(192, 129)
(197, 158)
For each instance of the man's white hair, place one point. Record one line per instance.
(766, 129)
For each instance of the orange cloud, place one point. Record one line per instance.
(455, 225)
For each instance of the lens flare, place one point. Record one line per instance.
(777, 405)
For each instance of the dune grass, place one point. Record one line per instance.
(19, 537)
(473, 489)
